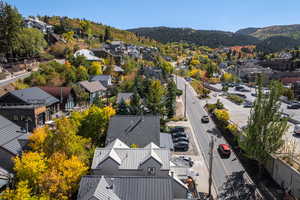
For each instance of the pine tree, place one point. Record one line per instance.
(107, 34)
(10, 25)
(171, 99)
(123, 108)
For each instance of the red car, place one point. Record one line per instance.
(224, 150)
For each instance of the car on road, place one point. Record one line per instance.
(177, 129)
(188, 79)
(179, 134)
(179, 139)
(224, 150)
(205, 119)
(297, 129)
(294, 106)
(181, 146)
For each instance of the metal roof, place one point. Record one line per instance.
(117, 144)
(93, 86)
(101, 78)
(133, 129)
(166, 141)
(131, 158)
(125, 188)
(88, 54)
(34, 95)
(10, 134)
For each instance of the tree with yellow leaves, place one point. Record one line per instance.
(227, 77)
(22, 192)
(95, 124)
(38, 138)
(30, 167)
(95, 68)
(222, 115)
(197, 74)
(62, 176)
(56, 177)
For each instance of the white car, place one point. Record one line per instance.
(297, 129)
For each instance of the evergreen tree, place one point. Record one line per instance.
(171, 99)
(135, 104)
(122, 108)
(10, 26)
(107, 34)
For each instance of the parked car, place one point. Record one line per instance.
(178, 139)
(224, 150)
(248, 104)
(179, 134)
(177, 129)
(294, 106)
(239, 88)
(297, 129)
(205, 119)
(181, 146)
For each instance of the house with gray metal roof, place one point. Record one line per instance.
(119, 159)
(94, 88)
(133, 129)
(121, 172)
(105, 80)
(33, 96)
(13, 140)
(127, 188)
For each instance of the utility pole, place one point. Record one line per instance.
(185, 100)
(210, 166)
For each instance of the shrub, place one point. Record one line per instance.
(232, 128)
(221, 115)
(236, 99)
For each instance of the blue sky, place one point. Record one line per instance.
(228, 15)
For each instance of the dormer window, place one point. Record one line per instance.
(151, 171)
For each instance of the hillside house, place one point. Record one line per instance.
(33, 96)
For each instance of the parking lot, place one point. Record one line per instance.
(239, 114)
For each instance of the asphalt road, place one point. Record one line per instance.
(15, 78)
(226, 173)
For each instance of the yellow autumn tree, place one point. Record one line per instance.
(61, 179)
(232, 128)
(95, 68)
(227, 77)
(197, 73)
(195, 62)
(30, 167)
(222, 114)
(22, 192)
(38, 138)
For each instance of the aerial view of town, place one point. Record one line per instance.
(149, 100)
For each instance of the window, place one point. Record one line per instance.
(22, 118)
(151, 171)
(16, 118)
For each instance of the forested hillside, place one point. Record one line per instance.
(199, 37)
